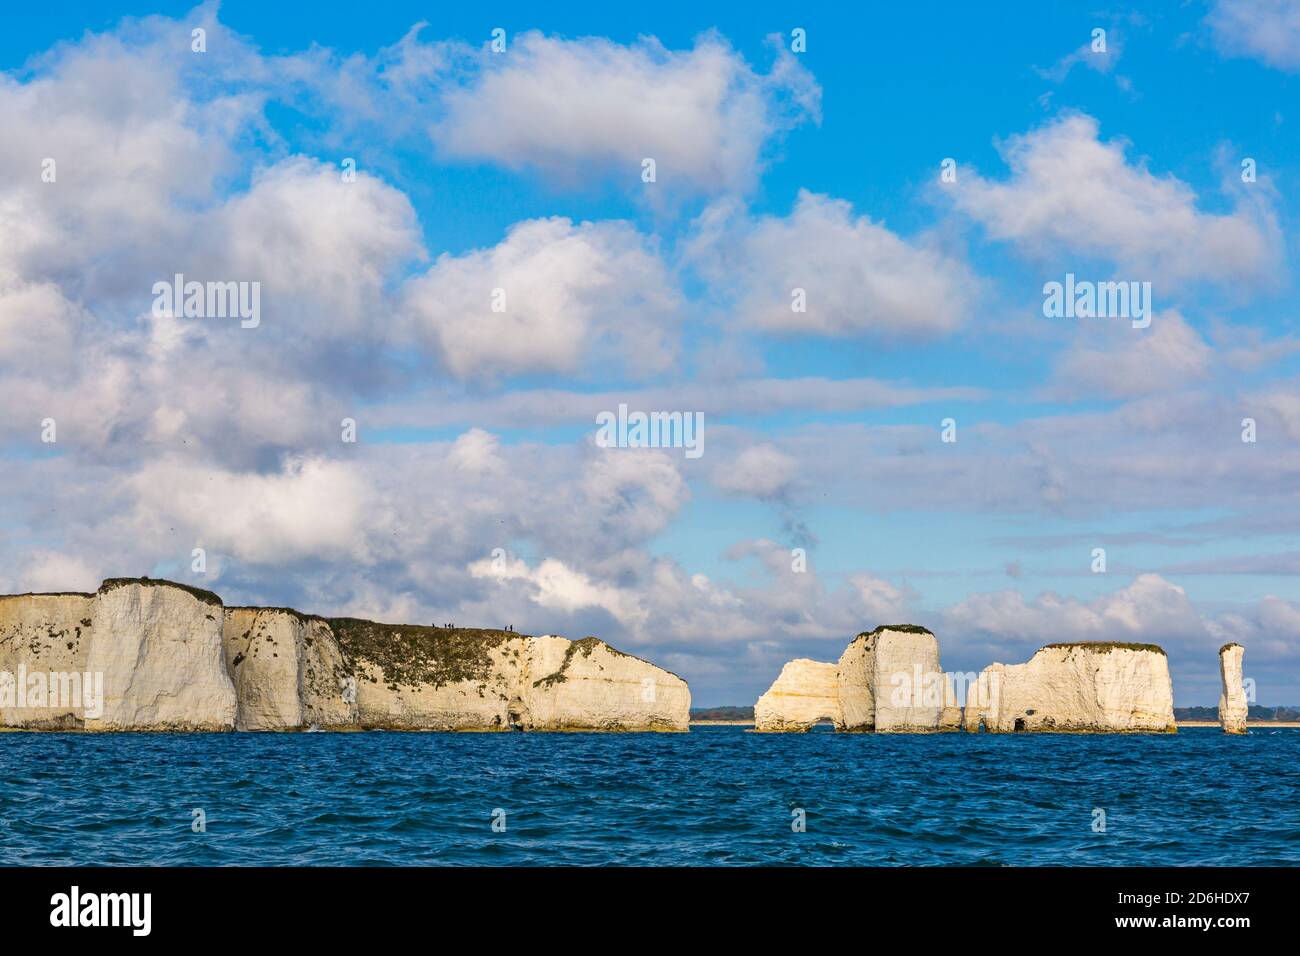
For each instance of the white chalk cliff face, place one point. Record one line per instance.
(1233, 706)
(886, 681)
(805, 694)
(287, 671)
(463, 679)
(132, 656)
(42, 633)
(173, 658)
(159, 649)
(1087, 687)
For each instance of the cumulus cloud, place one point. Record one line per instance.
(858, 277)
(127, 138)
(1071, 193)
(322, 247)
(879, 601)
(567, 107)
(1267, 30)
(310, 509)
(1148, 606)
(759, 471)
(549, 295)
(555, 585)
(476, 452)
(1132, 362)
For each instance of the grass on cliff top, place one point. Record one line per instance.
(207, 597)
(414, 654)
(1228, 645)
(905, 628)
(1105, 647)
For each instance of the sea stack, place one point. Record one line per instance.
(172, 657)
(886, 681)
(1233, 707)
(1088, 687)
(805, 694)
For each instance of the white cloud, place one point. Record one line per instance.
(476, 452)
(567, 107)
(877, 601)
(1071, 193)
(556, 585)
(1278, 405)
(1268, 30)
(322, 248)
(569, 291)
(760, 471)
(310, 509)
(859, 278)
(1100, 61)
(1132, 362)
(1148, 607)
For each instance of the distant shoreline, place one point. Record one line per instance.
(1250, 723)
(1260, 724)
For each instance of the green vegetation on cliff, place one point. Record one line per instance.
(1105, 647)
(207, 597)
(411, 654)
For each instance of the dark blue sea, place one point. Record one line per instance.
(715, 796)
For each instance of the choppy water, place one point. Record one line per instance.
(718, 795)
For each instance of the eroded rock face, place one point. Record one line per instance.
(465, 679)
(170, 657)
(909, 684)
(887, 681)
(855, 676)
(950, 718)
(43, 634)
(158, 646)
(1233, 706)
(588, 685)
(287, 670)
(136, 655)
(1086, 687)
(805, 694)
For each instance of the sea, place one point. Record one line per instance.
(717, 796)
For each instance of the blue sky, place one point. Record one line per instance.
(776, 168)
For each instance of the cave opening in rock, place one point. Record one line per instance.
(516, 715)
(1020, 724)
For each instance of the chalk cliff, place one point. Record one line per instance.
(159, 649)
(1233, 706)
(43, 633)
(887, 680)
(132, 656)
(170, 657)
(287, 670)
(1100, 687)
(465, 679)
(805, 694)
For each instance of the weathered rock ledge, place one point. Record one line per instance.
(170, 657)
(1088, 687)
